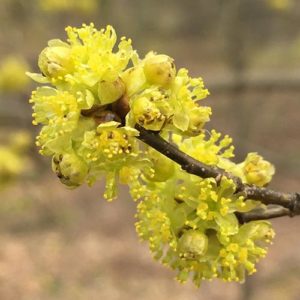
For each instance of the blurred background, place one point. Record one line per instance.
(63, 244)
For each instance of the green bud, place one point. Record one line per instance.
(159, 69)
(55, 61)
(70, 169)
(134, 79)
(110, 92)
(192, 244)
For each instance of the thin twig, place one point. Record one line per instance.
(267, 196)
(289, 201)
(270, 212)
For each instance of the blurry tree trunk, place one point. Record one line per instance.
(236, 54)
(236, 60)
(236, 57)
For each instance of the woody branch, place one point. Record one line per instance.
(278, 203)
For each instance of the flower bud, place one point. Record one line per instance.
(159, 69)
(110, 92)
(257, 170)
(55, 61)
(147, 115)
(198, 117)
(192, 244)
(70, 169)
(134, 79)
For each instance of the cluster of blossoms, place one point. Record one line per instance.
(191, 226)
(12, 74)
(13, 160)
(280, 5)
(87, 6)
(98, 93)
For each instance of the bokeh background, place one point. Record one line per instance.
(65, 244)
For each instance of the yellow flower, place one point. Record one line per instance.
(159, 69)
(86, 6)
(257, 170)
(86, 60)
(280, 5)
(56, 61)
(12, 74)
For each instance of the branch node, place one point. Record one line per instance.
(218, 179)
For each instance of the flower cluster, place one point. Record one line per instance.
(12, 74)
(280, 5)
(191, 225)
(80, 130)
(161, 99)
(12, 157)
(93, 87)
(98, 93)
(87, 6)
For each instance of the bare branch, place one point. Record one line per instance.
(270, 212)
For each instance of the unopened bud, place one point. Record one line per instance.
(193, 244)
(147, 115)
(159, 69)
(110, 91)
(70, 169)
(55, 61)
(134, 79)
